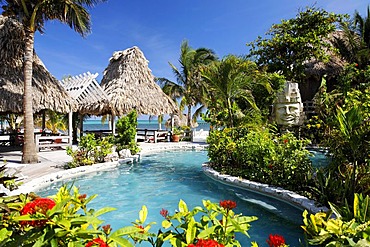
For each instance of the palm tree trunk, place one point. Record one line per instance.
(29, 148)
(189, 116)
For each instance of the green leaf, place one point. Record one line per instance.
(204, 234)
(103, 211)
(143, 214)
(121, 241)
(183, 207)
(4, 234)
(126, 231)
(166, 224)
(191, 231)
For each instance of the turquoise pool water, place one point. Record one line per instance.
(160, 180)
(320, 157)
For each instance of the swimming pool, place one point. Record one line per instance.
(160, 180)
(320, 157)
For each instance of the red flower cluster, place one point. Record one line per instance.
(97, 242)
(275, 241)
(39, 205)
(206, 243)
(164, 213)
(228, 204)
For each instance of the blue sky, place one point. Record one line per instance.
(159, 27)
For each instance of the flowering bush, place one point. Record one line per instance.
(97, 242)
(276, 241)
(38, 207)
(206, 243)
(216, 227)
(65, 220)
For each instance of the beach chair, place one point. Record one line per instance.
(15, 170)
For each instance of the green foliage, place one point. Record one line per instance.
(262, 156)
(314, 130)
(90, 151)
(295, 41)
(8, 180)
(212, 221)
(67, 220)
(126, 133)
(238, 92)
(188, 89)
(347, 228)
(69, 223)
(346, 113)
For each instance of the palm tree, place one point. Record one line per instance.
(229, 83)
(33, 14)
(55, 121)
(354, 44)
(188, 88)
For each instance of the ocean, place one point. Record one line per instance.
(95, 124)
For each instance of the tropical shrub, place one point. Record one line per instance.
(90, 151)
(214, 224)
(126, 133)
(313, 130)
(347, 228)
(65, 219)
(8, 180)
(262, 156)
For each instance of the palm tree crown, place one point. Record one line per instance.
(188, 87)
(33, 14)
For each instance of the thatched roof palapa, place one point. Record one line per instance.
(335, 64)
(129, 83)
(48, 93)
(90, 97)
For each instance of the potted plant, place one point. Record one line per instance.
(176, 133)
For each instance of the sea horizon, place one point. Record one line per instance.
(96, 124)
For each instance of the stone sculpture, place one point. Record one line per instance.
(288, 108)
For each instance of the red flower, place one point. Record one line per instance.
(142, 228)
(164, 213)
(97, 242)
(206, 243)
(275, 240)
(82, 197)
(285, 141)
(228, 204)
(356, 64)
(107, 229)
(39, 205)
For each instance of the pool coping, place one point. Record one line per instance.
(278, 193)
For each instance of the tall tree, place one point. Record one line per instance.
(188, 87)
(290, 44)
(33, 14)
(354, 42)
(233, 85)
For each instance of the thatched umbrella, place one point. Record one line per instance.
(47, 91)
(129, 84)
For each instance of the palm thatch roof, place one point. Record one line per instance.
(129, 83)
(335, 64)
(48, 93)
(90, 97)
